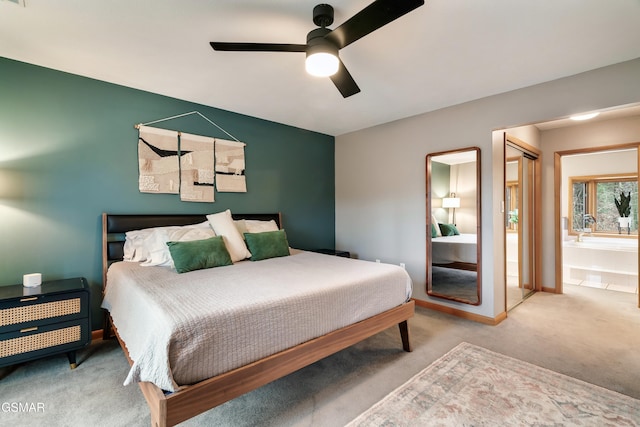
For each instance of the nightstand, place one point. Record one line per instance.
(335, 252)
(49, 319)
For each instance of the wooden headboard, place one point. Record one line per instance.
(114, 227)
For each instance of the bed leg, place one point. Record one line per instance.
(404, 334)
(158, 422)
(106, 326)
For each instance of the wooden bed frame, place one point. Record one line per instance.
(171, 409)
(458, 265)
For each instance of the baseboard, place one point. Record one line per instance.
(96, 335)
(461, 313)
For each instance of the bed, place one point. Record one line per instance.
(181, 391)
(458, 251)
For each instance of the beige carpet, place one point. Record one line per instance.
(589, 334)
(472, 386)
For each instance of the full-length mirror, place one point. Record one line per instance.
(453, 225)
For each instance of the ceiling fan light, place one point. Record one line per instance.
(322, 64)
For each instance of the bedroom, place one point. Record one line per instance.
(58, 127)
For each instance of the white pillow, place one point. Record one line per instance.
(222, 223)
(200, 225)
(241, 225)
(434, 221)
(138, 243)
(256, 226)
(134, 245)
(156, 244)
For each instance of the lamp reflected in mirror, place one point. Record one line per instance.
(453, 225)
(451, 202)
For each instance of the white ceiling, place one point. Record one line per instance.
(443, 53)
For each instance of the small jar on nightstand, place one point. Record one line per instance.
(40, 321)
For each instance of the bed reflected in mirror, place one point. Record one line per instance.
(453, 225)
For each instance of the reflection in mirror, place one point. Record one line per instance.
(453, 225)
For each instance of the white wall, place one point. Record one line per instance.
(380, 172)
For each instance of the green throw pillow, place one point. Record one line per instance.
(269, 244)
(434, 232)
(199, 254)
(448, 230)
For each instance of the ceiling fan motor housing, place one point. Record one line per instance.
(323, 15)
(316, 41)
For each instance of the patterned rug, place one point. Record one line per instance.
(472, 386)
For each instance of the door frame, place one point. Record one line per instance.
(557, 186)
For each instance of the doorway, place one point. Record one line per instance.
(522, 213)
(597, 250)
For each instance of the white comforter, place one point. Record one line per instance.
(458, 248)
(180, 329)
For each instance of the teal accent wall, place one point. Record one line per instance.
(440, 187)
(68, 152)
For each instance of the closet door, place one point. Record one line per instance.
(521, 170)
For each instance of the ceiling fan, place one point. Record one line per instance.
(323, 43)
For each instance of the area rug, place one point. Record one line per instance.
(472, 386)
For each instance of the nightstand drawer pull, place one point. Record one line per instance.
(39, 341)
(29, 313)
(35, 328)
(28, 299)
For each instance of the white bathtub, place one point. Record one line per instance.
(601, 260)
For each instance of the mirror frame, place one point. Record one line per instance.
(430, 291)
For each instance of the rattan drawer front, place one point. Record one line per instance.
(52, 319)
(48, 310)
(39, 341)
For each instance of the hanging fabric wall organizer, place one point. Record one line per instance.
(230, 166)
(174, 162)
(159, 169)
(196, 168)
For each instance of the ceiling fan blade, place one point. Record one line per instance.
(258, 47)
(344, 82)
(376, 15)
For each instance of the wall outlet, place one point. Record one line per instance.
(378, 261)
(402, 265)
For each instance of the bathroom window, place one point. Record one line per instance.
(593, 208)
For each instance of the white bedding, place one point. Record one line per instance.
(458, 248)
(180, 329)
